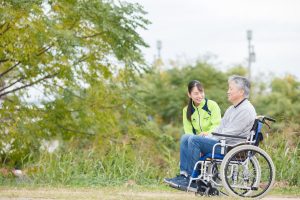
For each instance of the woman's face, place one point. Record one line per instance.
(196, 95)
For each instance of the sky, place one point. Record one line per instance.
(192, 29)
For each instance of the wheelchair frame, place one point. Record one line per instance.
(235, 167)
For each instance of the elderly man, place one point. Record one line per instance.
(237, 120)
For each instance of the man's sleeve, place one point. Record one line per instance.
(236, 127)
(187, 126)
(215, 117)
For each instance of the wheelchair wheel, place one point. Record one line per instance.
(247, 171)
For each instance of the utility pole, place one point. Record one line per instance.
(158, 46)
(251, 53)
(158, 63)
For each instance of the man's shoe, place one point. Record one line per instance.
(176, 181)
(182, 183)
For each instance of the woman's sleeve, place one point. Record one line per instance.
(215, 116)
(188, 129)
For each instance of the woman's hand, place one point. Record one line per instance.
(204, 134)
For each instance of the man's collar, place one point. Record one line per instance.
(240, 103)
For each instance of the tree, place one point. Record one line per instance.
(60, 43)
(165, 93)
(65, 48)
(282, 99)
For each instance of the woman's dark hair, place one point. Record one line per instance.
(191, 85)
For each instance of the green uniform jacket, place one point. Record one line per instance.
(201, 119)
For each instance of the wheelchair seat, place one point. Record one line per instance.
(209, 156)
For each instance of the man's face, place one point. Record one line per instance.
(196, 95)
(234, 93)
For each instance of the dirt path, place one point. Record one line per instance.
(105, 193)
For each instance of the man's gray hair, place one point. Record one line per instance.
(242, 83)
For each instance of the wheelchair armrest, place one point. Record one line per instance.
(230, 136)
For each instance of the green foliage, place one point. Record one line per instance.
(282, 102)
(284, 148)
(62, 43)
(18, 137)
(91, 168)
(86, 162)
(165, 93)
(237, 70)
(68, 49)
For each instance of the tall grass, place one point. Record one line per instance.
(89, 168)
(142, 165)
(284, 149)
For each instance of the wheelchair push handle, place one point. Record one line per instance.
(263, 119)
(269, 119)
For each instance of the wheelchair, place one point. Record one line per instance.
(241, 170)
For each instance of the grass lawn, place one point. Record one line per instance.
(121, 192)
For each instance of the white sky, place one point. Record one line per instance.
(192, 28)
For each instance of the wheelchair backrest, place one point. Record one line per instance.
(256, 129)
